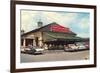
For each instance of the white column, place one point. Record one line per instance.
(34, 43)
(40, 43)
(24, 42)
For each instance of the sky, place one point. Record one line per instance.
(77, 22)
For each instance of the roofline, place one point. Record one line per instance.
(37, 29)
(45, 31)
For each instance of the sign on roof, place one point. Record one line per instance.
(58, 28)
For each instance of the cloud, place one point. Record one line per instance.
(80, 24)
(27, 19)
(84, 22)
(84, 35)
(61, 18)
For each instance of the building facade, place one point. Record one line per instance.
(51, 34)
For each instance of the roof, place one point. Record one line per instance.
(52, 27)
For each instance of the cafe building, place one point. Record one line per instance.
(49, 35)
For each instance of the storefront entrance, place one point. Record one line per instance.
(29, 42)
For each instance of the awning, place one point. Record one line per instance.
(63, 37)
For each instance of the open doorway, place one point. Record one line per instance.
(36, 40)
(29, 42)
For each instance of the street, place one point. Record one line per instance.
(55, 56)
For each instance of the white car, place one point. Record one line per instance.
(81, 46)
(33, 50)
(73, 46)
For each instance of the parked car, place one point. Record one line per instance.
(34, 51)
(71, 48)
(86, 44)
(81, 46)
(75, 47)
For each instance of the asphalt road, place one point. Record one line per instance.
(55, 56)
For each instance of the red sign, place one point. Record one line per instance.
(58, 28)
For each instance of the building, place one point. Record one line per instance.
(51, 34)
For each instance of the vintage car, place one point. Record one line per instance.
(70, 48)
(75, 47)
(34, 50)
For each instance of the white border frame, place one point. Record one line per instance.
(57, 63)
